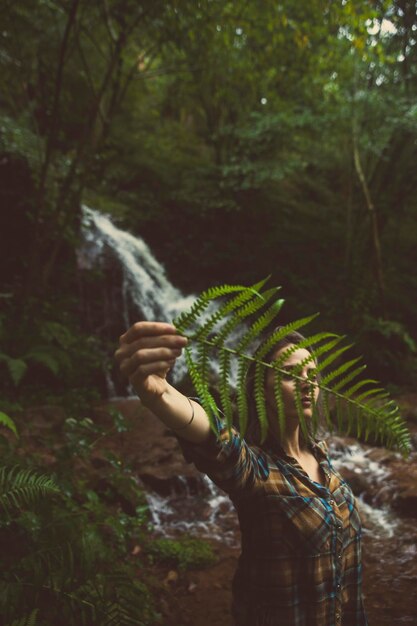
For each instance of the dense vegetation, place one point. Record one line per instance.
(284, 129)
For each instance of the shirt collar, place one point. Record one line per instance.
(273, 446)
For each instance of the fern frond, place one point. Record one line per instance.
(21, 488)
(280, 402)
(300, 411)
(326, 409)
(280, 334)
(224, 388)
(186, 319)
(346, 379)
(332, 357)
(7, 421)
(249, 309)
(252, 295)
(242, 400)
(357, 407)
(207, 399)
(259, 390)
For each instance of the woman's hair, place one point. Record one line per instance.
(253, 431)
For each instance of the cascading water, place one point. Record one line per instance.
(354, 458)
(145, 284)
(146, 289)
(144, 278)
(209, 514)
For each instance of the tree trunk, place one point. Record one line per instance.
(375, 235)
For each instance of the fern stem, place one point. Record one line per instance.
(373, 413)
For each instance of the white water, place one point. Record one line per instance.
(146, 289)
(213, 516)
(209, 516)
(380, 521)
(144, 279)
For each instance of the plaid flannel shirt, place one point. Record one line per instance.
(301, 541)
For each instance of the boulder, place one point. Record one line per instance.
(151, 450)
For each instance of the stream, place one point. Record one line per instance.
(200, 509)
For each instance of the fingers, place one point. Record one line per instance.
(149, 348)
(173, 342)
(139, 373)
(147, 329)
(148, 362)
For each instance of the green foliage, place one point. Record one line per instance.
(230, 113)
(7, 421)
(41, 343)
(16, 367)
(20, 488)
(27, 620)
(360, 406)
(18, 139)
(184, 553)
(66, 541)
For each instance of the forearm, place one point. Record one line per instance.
(175, 410)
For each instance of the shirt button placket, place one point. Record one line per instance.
(338, 564)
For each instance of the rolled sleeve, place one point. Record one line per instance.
(227, 460)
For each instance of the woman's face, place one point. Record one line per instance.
(308, 392)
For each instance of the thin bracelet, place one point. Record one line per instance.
(192, 417)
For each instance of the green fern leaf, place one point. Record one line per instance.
(224, 388)
(242, 401)
(44, 357)
(17, 367)
(252, 294)
(7, 421)
(348, 378)
(280, 334)
(184, 320)
(280, 402)
(250, 309)
(300, 411)
(207, 400)
(260, 398)
(20, 488)
(357, 407)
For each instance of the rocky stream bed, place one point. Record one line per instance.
(183, 503)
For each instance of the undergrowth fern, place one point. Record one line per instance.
(20, 488)
(228, 333)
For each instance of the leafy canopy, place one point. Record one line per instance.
(242, 317)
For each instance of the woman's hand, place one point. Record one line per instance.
(146, 353)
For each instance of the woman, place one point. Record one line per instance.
(301, 556)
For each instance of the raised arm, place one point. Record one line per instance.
(146, 353)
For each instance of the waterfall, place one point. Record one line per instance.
(146, 289)
(144, 279)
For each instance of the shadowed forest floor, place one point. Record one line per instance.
(202, 597)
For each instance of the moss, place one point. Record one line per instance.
(183, 554)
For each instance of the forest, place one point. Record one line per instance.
(239, 140)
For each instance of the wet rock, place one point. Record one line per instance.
(152, 451)
(381, 455)
(408, 405)
(357, 481)
(157, 480)
(404, 478)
